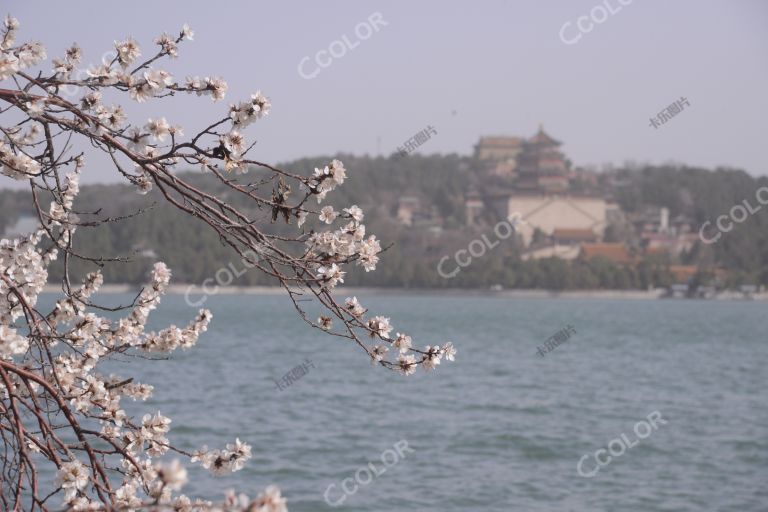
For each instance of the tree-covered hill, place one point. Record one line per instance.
(194, 253)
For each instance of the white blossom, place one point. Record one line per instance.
(331, 275)
(158, 128)
(406, 364)
(9, 65)
(127, 51)
(187, 33)
(172, 474)
(30, 54)
(158, 79)
(432, 357)
(355, 212)
(328, 214)
(11, 343)
(72, 477)
(380, 327)
(402, 342)
(168, 45)
(378, 352)
(354, 307)
(234, 142)
(448, 351)
(325, 322)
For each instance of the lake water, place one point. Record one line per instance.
(502, 428)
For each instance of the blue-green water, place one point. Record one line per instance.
(502, 428)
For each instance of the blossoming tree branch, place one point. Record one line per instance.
(56, 408)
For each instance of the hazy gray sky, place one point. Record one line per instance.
(467, 68)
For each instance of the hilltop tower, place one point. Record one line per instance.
(541, 165)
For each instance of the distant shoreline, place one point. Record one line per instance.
(195, 292)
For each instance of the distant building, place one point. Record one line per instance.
(615, 253)
(474, 206)
(564, 252)
(573, 236)
(572, 217)
(658, 243)
(748, 291)
(412, 211)
(679, 291)
(407, 207)
(683, 274)
(541, 165)
(660, 235)
(499, 148)
(535, 164)
(531, 178)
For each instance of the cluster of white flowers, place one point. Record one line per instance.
(343, 244)
(10, 27)
(93, 395)
(326, 179)
(127, 51)
(353, 307)
(11, 343)
(380, 327)
(152, 83)
(64, 349)
(346, 243)
(268, 501)
(17, 165)
(24, 268)
(228, 460)
(81, 340)
(72, 477)
(14, 59)
(171, 338)
(158, 128)
(331, 275)
(60, 211)
(142, 83)
(246, 112)
(24, 137)
(214, 86)
(172, 475)
(63, 67)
